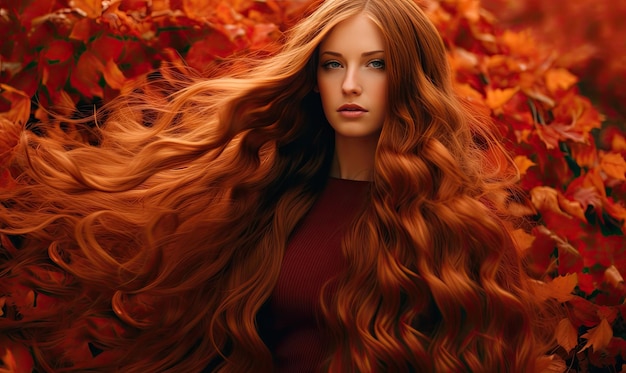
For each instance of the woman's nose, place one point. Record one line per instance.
(351, 84)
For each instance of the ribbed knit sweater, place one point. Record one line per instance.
(291, 323)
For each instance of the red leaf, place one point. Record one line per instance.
(583, 312)
(107, 48)
(54, 77)
(205, 51)
(15, 357)
(35, 9)
(59, 51)
(264, 37)
(586, 283)
(86, 75)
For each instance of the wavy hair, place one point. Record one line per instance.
(172, 220)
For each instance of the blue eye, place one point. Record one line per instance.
(377, 64)
(331, 65)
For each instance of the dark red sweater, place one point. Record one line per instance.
(291, 325)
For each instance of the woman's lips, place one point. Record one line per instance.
(351, 111)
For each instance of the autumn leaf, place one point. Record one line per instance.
(524, 240)
(573, 208)
(545, 198)
(82, 30)
(20, 104)
(86, 76)
(608, 313)
(87, 8)
(203, 52)
(559, 79)
(498, 97)
(113, 75)
(200, 9)
(586, 283)
(560, 288)
(59, 51)
(617, 139)
(519, 43)
(615, 210)
(107, 48)
(598, 337)
(585, 154)
(15, 358)
(523, 163)
(566, 335)
(264, 37)
(613, 165)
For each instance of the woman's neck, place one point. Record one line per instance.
(354, 158)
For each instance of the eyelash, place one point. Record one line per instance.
(328, 65)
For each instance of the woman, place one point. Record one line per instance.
(334, 207)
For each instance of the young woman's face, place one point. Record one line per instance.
(351, 78)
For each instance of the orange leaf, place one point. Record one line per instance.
(585, 155)
(613, 165)
(598, 337)
(523, 163)
(615, 210)
(498, 97)
(545, 199)
(618, 142)
(573, 208)
(523, 239)
(113, 75)
(560, 288)
(82, 30)
(87, 8)
(566, 335)
(559, 79)
(613, 277)
(520, 43)
(200, 9)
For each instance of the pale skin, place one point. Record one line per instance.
(352, 82)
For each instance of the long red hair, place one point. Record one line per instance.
(171, 222)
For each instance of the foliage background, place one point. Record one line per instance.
(551, 74)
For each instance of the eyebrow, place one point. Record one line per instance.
(336, 54)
